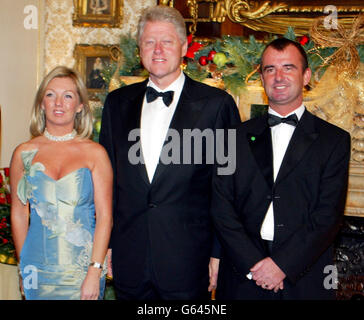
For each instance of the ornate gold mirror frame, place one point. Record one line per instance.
(272, 16)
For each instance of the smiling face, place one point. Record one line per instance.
(161, 51)
(283, 78)
(60, 103)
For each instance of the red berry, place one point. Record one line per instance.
(211, 55)
(303, 40)
(203, 60)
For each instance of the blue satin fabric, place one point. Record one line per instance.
(57, 251)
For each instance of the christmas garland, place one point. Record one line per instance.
(232, 59)
(7, 250)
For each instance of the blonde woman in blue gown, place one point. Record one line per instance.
(62, 196)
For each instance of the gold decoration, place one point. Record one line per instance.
(340, 100)
(217, 12)
(116, 55)
(333, 100)
(99, 14)
(268, 16)
(193, 9)
(358, 156)
(359, 121)
(166, 2)
(277, 16)
(338, 97)
(346, 58)
(242, 11)
(358, 133)
(358, 145)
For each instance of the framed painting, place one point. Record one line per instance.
(98, 13)
(90, 61)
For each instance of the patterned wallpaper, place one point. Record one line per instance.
(60, 36)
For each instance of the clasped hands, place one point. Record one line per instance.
(268, 275)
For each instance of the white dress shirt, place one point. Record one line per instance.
(155, 120)
(281, 135)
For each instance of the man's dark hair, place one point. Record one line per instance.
(280, 44)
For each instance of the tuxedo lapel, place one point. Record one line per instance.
(260, 143)
(185, 116)
(133, 119)
(302, 138)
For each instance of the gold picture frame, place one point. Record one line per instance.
(98, 13)
(90, 60)
(273, 16)
(276, 16)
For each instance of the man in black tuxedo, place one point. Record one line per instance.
(278, 214)
(162, 238)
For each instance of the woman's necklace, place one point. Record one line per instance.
(66, 137)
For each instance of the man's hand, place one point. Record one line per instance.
(213, 272)
(278, 287)
(268, 275)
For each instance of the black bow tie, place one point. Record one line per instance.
(153, 94)
(274, 120)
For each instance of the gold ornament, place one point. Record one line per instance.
(116, 55)
(346, 57)
(3, 258)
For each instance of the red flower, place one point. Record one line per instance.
(8, 198)
(1, 179)
(192, 47)
(195, 46)
(2, 199)
(7, 172)
(303, 40)
(5, 241)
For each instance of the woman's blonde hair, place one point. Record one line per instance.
(83, 120)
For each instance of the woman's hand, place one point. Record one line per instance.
(90, 288)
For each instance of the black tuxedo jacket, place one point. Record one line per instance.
(308, 201)
(168, 219)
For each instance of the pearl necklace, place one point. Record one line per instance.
(66, 137)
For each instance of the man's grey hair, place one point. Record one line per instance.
(164, 14)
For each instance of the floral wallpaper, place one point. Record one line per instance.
(61, 37)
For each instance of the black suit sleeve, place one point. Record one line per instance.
(238, 247)
(305, 246)
(229, 228)
(106, 140)
(228, 117)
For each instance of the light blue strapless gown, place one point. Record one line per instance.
(57, 251)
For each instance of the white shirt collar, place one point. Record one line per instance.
(299, 112)
(176, 85)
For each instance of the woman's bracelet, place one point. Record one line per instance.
(96, 265)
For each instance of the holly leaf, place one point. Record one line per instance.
(290, 34)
